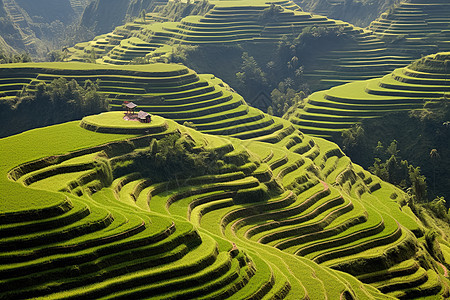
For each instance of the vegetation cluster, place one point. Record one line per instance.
(9, 58)
(175, 157)
(421, 136)
(275, 70)
(45, 104)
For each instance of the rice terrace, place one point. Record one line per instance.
(224, 149)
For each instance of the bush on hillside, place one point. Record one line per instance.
(437, 206)
(172, 158)
(66, 99)
(270, 14)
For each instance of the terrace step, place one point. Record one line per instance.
(332, 111)
(192, 261)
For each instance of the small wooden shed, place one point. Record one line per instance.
(130, 107)
(144, 117)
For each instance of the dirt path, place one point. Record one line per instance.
(445, 269)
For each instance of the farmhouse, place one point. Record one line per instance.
(144, 117)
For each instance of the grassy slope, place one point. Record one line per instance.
(33, 145)
(328, 113)
(298, 169)
(224, 24)
(60, 139)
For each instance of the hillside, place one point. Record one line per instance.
(274, 34)
(203, 100)
(37, 26)
(109, 210)
(411, 104)
(101, 16)
(327, 113)
(357, 12)
(416, 20)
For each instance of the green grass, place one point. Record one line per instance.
(173, 238)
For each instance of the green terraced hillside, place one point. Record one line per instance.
(68, 229)
(327, 113)
(363, 55)
(360, 12)
(172, 91)
(420, 22)
(86, 215)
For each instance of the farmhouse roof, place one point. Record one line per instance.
(142, 115)
(131, 105)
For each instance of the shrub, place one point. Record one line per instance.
(174, 157)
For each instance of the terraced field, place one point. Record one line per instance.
(81, 220)
(327, 113)
(362, 56)
(171, 91)
(421, 22)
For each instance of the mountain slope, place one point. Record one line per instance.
(291, 192)
(36, 26)
(261, 29)
(357, 12)
(328, 113)
(102, 16)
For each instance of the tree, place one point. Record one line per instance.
(65, 100)
(352, 136)
(285, 97)
(57, 55)
(250, 69)
(393, 148)
(399, 172)
(434, 155)
(437, 206)
(418, 183)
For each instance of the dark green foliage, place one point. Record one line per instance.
(56, 55)
(270, 14)
(8, 58)
(352, 138)
(174, 157)
(56, 102)
(65, 99)
(285, 97)
(251, 73)
(422, 136)
(418, 183)
(437, 206)
(399, 172)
